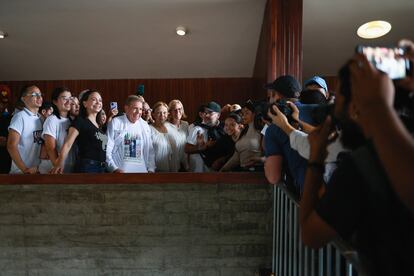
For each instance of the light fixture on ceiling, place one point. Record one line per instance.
(374, 29)
(2, 34)
(181, 31)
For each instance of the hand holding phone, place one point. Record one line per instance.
(113, 105)
(389, 60)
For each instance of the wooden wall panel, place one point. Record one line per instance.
(280, 46)
(192, 92)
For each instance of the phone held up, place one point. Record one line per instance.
(113, 105)
(389, 60)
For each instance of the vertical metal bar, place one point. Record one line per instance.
(306, 261)
(301, 260)
(348, 269)
(286, 236)
(296, 245)
(337, 262)
(290, 237)
(313, 262)
(329, 259)
(279, 235)
(321, 258)
(274, 255)
(282, 214)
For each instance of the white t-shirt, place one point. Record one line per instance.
(129, 146)
(165, 148)
(58, 129)
(299, 142)
(196, 161)
(29, 126)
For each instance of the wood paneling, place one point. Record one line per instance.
(192, 92)
(280, 46)
(132, 178)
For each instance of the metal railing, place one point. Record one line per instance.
(292, 258)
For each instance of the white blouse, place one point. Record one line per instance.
(180, 138)
(166, 154)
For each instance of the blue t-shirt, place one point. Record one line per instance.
(277, 143)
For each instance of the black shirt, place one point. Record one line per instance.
(381, 229)
(224, 146)
(91, 140)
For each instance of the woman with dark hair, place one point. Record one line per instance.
(24, 141)
(248, 149)
(55, 131)
(91, 139)
(223, 149)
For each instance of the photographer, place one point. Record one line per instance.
(377, 113)
(278, 151)
(359, 204)
(299, 139)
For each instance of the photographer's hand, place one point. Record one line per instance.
(408, 82)
(280, 120)
(319, 140)
(372, 91)
(295, 111)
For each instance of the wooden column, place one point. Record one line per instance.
(280, 46)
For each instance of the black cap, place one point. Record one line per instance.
(213, 106)
(286, 85)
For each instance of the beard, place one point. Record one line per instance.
(352, 136)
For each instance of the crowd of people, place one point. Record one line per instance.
(349, 155)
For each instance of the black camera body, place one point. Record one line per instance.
(262, 108)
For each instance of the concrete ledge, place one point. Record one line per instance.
(167, 228)
(134, 178)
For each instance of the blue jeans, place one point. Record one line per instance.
(91, 166)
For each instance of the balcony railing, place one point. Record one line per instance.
(291, 257)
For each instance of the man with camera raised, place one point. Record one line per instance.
(277, 146)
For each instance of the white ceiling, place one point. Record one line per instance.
(110, 39)
(329, 30)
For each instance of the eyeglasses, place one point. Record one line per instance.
(147, 110)
(35, 94)
(66, 98)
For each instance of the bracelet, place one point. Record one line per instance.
(316, 166)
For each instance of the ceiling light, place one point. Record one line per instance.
(181, 31)
(374, 29)
(2, 34)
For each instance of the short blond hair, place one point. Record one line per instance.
(158, 104)
(174, 103)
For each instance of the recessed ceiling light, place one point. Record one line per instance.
(2, 34)
(181, 31)
(374, 29)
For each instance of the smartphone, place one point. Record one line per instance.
(389, 60)
(113, 105)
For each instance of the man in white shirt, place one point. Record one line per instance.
(129, 148)
(24, 140)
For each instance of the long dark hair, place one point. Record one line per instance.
(85, 96)
(55, 96)
(253, 108)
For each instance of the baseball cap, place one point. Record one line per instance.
(286, 85)
(317, 80)
(213, 107)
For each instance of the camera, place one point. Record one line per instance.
(263, 108)
(389, 60)
(320, 112)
